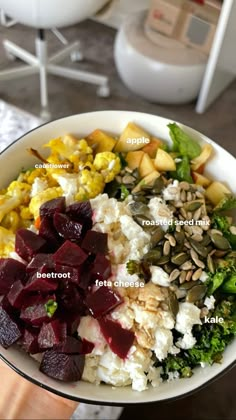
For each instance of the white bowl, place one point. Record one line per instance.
(15, 157)
(159, 73)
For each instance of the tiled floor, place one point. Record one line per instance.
(217, 401)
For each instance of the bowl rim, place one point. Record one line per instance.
(94, 401)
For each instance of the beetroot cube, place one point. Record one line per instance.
(63, 367)
(51, 334)
(38, 261)
(95, 242)
(39, 282)
(49, 233)
(17, 294)
(70, 346)
(9, 330)
(70, 299)
(73, 273)
(69, 254)
(87, 347)
(102, 301)
(28, 244)
(38, 313)
(10, 271)
(101, 268)
(80, 210)
(29, 341)
(85, 275)
(52, 206)
(120, 340)
(72, 320)
(67, 228)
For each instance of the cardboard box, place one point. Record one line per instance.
(186, 21)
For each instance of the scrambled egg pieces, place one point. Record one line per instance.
(71, 170)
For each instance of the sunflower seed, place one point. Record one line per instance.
(182, 277)
(166, 248)
(189, 196)
(195, 259)
(189, 215)
(184, 185)
(179, 204)
(178, 228)
(197, 237)
(186, 266)
(188, 229)
(189, 275)
(197, 230)
(207, 222)
(128, 179)
(175, 273)
(233, 230)
(204, 312)
(199, 194)
(197, 214)
(187, 245)
(197, 274)
(183, 195)
(183, 212)
(171, 239)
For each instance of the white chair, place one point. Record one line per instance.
(48, 14)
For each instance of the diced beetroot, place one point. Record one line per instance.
(10, 271)
(35, 298)
(52, 206)
(101, 269)
(73, 273)
(9, 330)
(28, 244)
(95, 242)
(49, 233)
(119, 339)
(17, 294)
(69, 299)
(80, 210)
(71, 319)
(102, 301)
(87, 347)
(69, 254)
(39, 282)
(66, 227)
(51, 334)
(38, 261)
(29, 341)
(85, 275)
(37, 314)
(61, 366)
(70, 346)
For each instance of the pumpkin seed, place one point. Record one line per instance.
(141, 220)
(138, 208)
(206, 240)
(196, 293)
(173, 303)
(179, 236)
(174, 274)
(212, 231)
(219, 241)
(128, 179)
(179, 258)
(156, 236)
(158, 186)
(153, 256)
(135, 173)
(168, 268)
(187, 285)
(166, 248)
(199, 248)
(219, 253)
(193, 206)
(210, 264)
(163, 260)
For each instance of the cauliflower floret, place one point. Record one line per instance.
(42, 197)
(109, 165)
(7, 204)
(38, 186)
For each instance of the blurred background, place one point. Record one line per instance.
(173, 58)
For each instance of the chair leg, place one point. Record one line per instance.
(82, 76)
(19, 52)
(65, 52)
(18, 72)
(41, 51)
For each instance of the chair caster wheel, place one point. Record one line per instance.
(76, 56)
(103, 91)
(45, 114)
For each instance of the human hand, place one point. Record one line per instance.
(20, 399)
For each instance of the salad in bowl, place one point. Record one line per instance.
(117, 258)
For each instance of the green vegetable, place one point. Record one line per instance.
(230, 285)
(122, 160)
(124, 192)
(227, 203)
(140, 268)
(183, 171)
(222, 223)
(133, 267)
(51, 307)
(183, 143)
(216, 280)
